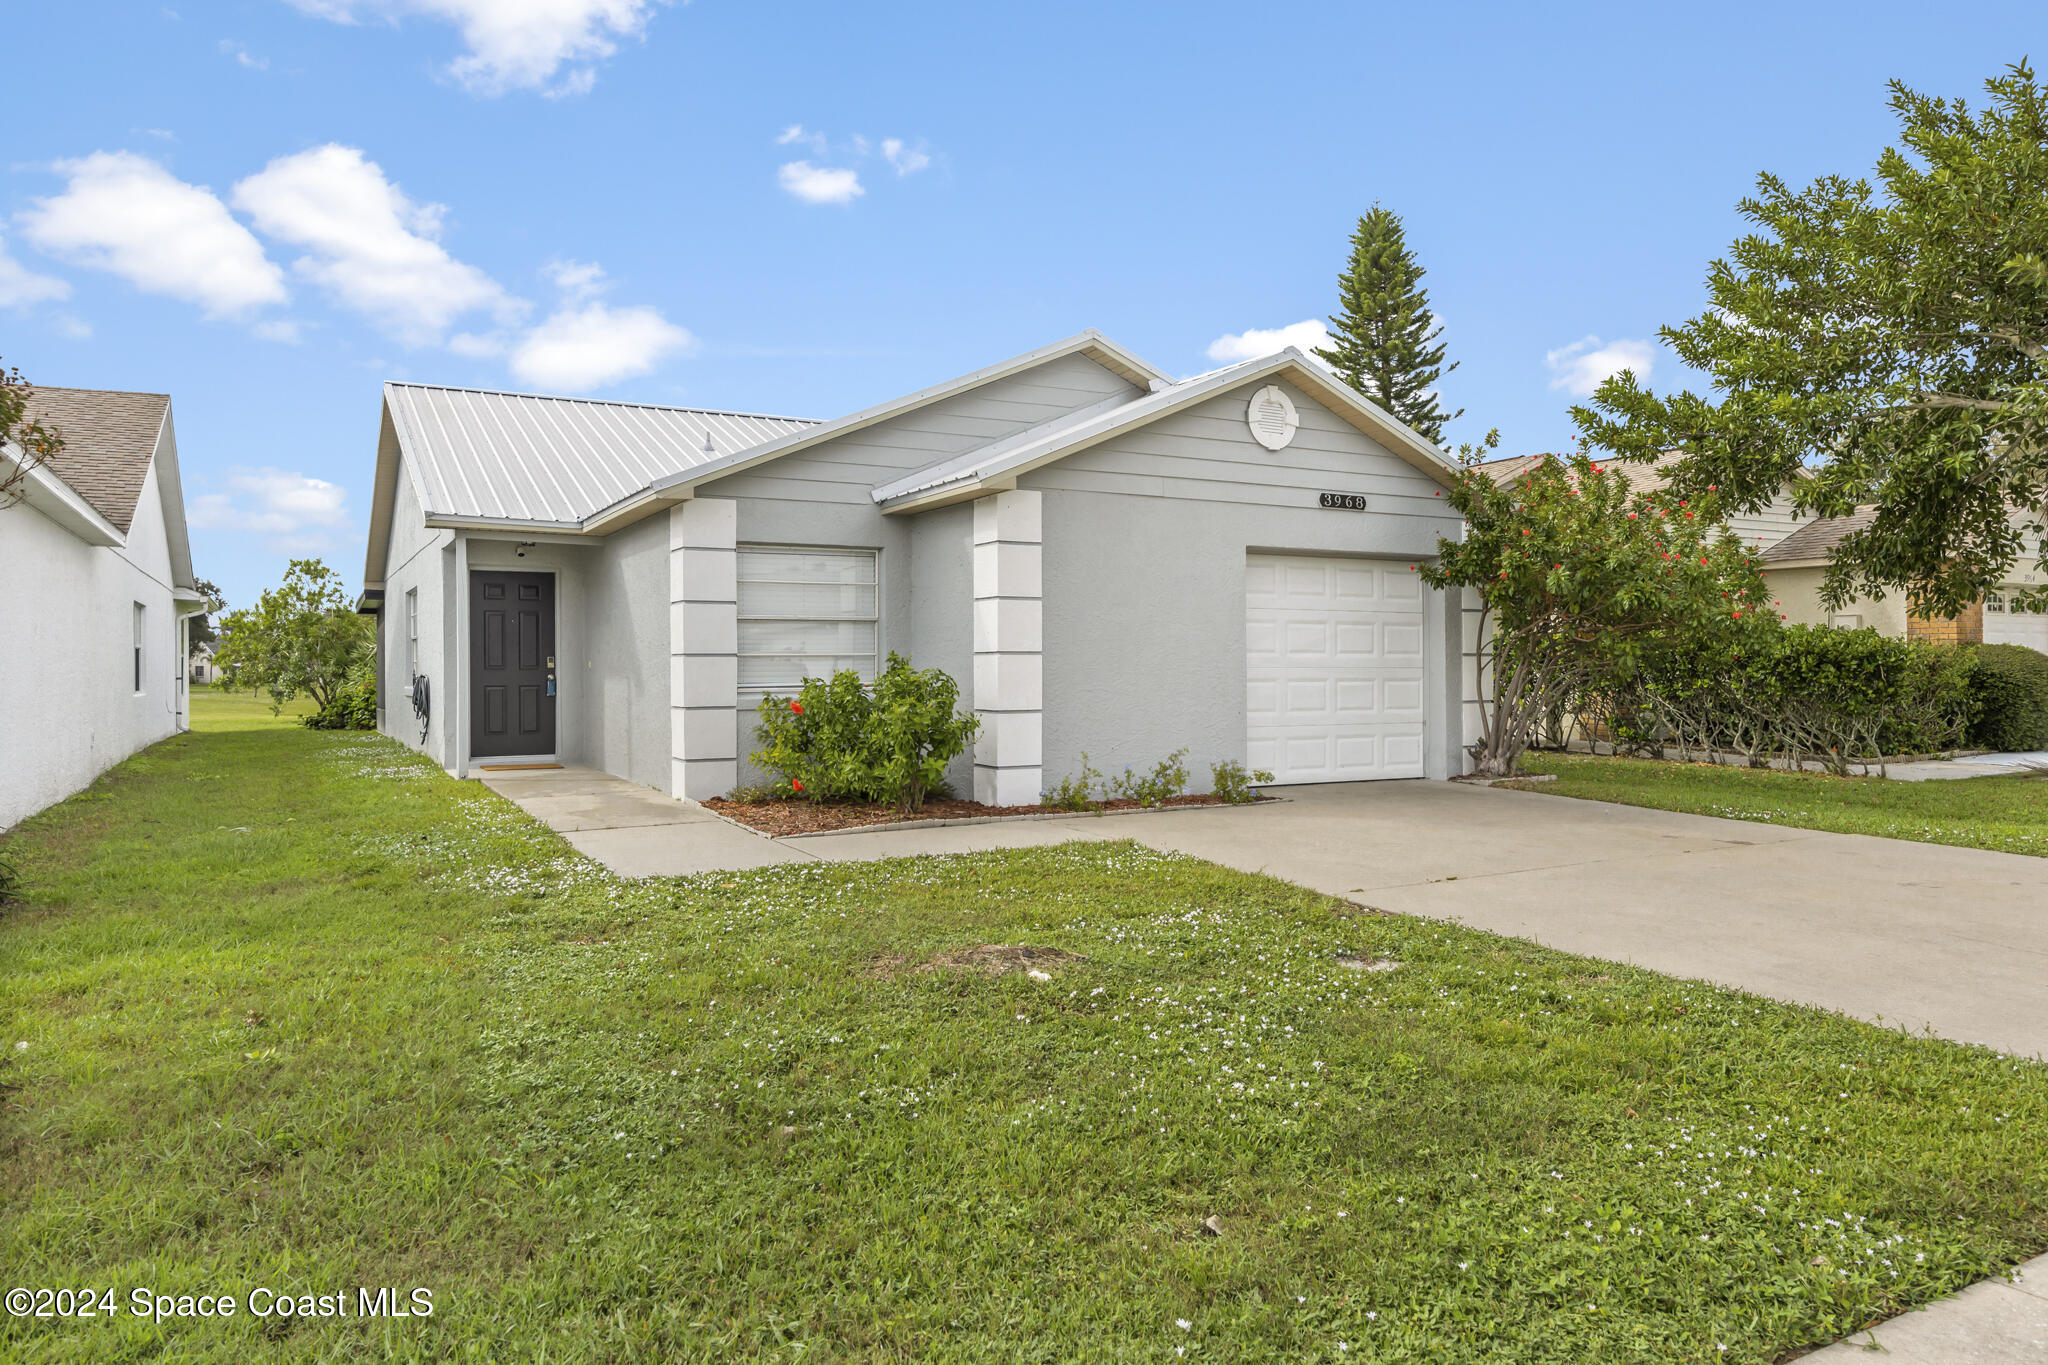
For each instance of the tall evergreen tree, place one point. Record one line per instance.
(1383, 341)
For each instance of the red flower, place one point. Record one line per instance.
(1703, 561)
(796, 708)
(795, 785)
(1713, 488)
(1631, 516)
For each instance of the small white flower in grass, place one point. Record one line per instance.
(21, 1046)
(1182, 1323)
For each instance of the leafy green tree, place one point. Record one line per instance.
(1880, 344)
(201, 631)
(35, 443)
(301, 636)
(1383, 339)
(1576, 573)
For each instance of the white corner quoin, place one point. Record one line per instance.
(704, 642)
(1009, 644)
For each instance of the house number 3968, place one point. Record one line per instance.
(1349, 502)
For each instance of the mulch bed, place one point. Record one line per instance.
(806, 817)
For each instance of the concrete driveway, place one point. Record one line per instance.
(1918, 935)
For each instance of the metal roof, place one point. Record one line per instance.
(485, 454)
(1028, 449)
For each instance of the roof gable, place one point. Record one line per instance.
(998, 465)
(110, 437)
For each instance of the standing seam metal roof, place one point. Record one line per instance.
(489, 454)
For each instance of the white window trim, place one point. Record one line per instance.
(141, 643)
(749, 694)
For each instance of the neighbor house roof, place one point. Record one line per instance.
(1642, 477)
(1000, 462)
(109, 439)
(1815, 541)
(484, 455)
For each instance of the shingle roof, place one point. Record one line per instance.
(109, 438)
(1643, 478)
(1817, 539)
(517, 456)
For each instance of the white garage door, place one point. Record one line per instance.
(2004, 626)
(1334, 668)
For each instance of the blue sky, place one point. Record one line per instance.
(266, 208)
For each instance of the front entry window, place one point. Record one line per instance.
(806, 613)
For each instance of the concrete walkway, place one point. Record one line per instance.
(635, 831)
(1920, 936)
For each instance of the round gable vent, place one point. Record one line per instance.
(1272, 418)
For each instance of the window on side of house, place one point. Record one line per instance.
(806, 613)
(141, 625)
(1994, 601)
(412, 635)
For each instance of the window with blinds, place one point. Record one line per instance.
(806, 614)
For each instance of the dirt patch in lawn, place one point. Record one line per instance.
(986, 959)
(805, 817)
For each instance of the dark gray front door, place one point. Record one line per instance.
(511, 664)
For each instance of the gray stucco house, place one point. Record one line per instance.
(1107, 560)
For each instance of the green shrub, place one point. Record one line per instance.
(1234, 786)
(1075, 793)
(1168, 778)
(1802, 691)
(838, 741)
(354, 707)
(10, 878)
(2010, 688)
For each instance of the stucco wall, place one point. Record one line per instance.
(72, 708)
(1145, 545)
(422, 559)
(942, 609)
(625, 662)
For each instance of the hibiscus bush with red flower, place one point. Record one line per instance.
(839, 739)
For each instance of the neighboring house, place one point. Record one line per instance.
(204, 670)
(1106, 559)
(1792, 553)
(1795, 566)
(98, 579)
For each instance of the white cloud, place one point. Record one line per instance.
(797, 133)
(589, 345)
(820, 184)
(367, 245)
(249, 60)
(125, 214)
(71, 327)
(577, 280)
(547, 45)
(906, 160)
(1254, 342)
(293, 510)
(1581, 367)
(278, 329)
(21, 287)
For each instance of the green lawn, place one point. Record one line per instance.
(2009, 814)
(295, 1011)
